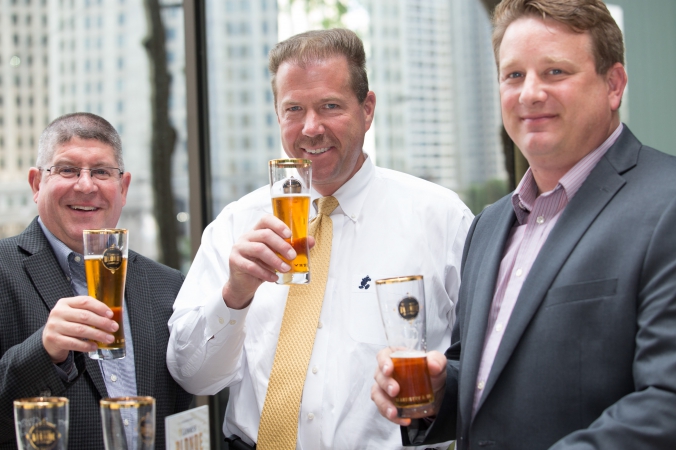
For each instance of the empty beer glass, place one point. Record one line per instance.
(41, 423)
(136, 414)
(290, 182)
(105, 253)
(402, 308)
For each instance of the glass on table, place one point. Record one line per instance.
(41, 423)
(135, 414)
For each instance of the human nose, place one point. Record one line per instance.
(313, 125)
(85, 183)
(532, 90)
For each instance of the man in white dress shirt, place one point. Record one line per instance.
(227, 317)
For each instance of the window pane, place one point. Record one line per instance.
(93, 59)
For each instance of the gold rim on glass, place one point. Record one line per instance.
(399, 279)
(127, 402)
(40, 402)
(290, 162)
(106, 231)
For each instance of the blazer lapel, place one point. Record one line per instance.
(481, 294)
(599, 188)
(138, 294)
(52, 285)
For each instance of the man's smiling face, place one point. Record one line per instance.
(68, 206)
(321, 119)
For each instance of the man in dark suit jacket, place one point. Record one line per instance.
(45, 327)
(566, 322)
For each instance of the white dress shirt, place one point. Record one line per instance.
(388, 224)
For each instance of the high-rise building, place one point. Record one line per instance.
(437, 114)
(244, 132)
(24, 106)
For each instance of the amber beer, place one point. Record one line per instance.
(107, 286)
(290, 183)
(294, 210)
(105, 253)
(415, 387)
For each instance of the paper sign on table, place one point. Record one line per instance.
(188, 430)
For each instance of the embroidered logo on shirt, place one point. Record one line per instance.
(365, 283)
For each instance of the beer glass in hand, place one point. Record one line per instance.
(128, 423)
(41, 422)
(106, 269)
(402, 308)
(290, 181)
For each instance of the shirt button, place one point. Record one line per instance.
(126, 422)
(113, 378)
(319, 325)
(310, 416)
(315, 370)
(221, 320)
(77, 259)
(480, 385)
(498, 327)
(233, 322)
(518, 272)
(353, 216)
(540, 220)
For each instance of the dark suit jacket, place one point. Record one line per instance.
(31, 282)
(588, 358)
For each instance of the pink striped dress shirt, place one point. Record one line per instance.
(536, 217)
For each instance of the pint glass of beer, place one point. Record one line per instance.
(105, 253)
(135, 414)
(41, 422)
(290, 181)
(402, 308)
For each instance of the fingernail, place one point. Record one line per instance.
(115, 327)
(285, 267)
(287, 233)
(110, 338)
(109, 314)
(390, 390)
(386, 368)
(389, 412)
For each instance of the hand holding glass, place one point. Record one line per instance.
(106, 269)
(402, 308)
(41, 423)
(290, 182)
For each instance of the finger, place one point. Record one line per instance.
(85, 302)
(266, 246)
(384, 361)
(84, 318)
(273, 223)
(386, 406)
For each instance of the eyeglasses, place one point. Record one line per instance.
(98, 173)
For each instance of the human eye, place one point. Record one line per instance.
(66, 171)
(331, 106)
(293, 108)
(102, 173)
(514, 75)
(556, 72)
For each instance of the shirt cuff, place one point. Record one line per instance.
(219, 316)
(67, 370)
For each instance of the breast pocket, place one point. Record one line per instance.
(577, 292)
(365, 323)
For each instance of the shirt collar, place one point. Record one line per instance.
(525, 194)
(61, 250)
(352, 194)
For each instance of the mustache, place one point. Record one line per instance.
(317, 141)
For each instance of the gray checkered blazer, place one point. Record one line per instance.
(31, 282)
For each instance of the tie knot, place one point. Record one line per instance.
(326, 205)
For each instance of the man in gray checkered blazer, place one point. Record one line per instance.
(47, 320)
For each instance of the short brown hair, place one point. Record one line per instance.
(318, 45)
(579, 15)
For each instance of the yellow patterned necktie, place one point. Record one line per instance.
(279, 421)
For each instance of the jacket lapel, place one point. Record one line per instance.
(600, 187)
(481, 294)
(51, 283)
(138, 294)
